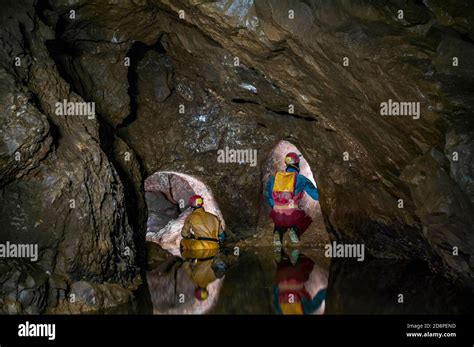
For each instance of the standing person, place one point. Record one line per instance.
(284, 193)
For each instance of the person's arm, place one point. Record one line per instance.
(310, 189)
(269, 190)
(186, 231)
(221, 235)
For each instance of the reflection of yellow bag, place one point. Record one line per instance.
(284, 182)
(293, 308)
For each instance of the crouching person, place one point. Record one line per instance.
(202, 230)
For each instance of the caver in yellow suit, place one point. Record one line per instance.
(202, 230)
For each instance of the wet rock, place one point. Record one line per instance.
(23, 288)
(73, 204)
(459, 151)
(453, 14)
(87, 297)
(24, 131)
(12, 307)
(156, 86)
(98, 73)
(84, 293)
(443, 208)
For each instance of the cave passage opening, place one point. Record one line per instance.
(316, 235)
(167, 194)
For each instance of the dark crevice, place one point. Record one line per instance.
(136, 53)
(63, 20)
(40, 6)
(279, 112)
(244, 101)
(63, 54)
(284, 113)
(24, 34)
(276, 52)
(465, 37)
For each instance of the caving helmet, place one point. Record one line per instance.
(292, 158)
(196, 201)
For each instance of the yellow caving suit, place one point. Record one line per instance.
(201, 232)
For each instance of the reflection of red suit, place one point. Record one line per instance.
(293, 276)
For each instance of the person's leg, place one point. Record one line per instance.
(280, 221)
(294, 256)
(277, 243)
(302, 222)
(291, 256)
(276, 232)
(278, 235)
(293, 233)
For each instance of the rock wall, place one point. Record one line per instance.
(63, 193)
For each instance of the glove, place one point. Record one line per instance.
(221, 240)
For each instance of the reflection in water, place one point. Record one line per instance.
(259, 281)
(188, 285)
(300, 287)
(203, 268)
(256, 282)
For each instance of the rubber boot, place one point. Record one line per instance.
(295, 254)
(277, 247)
(294, 236)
